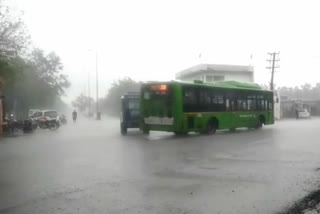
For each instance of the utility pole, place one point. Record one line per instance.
(98, 116)
(274, 57)
(89, 100)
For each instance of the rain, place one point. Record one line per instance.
(159, 107)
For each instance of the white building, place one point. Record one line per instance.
(213, 72)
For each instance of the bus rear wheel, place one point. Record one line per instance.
(123, 129)
(260, 123)
(181, 133)
(145, 131)
(212, 127)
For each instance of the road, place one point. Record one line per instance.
(89, 167)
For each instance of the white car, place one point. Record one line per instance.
(304, 113)
(48, 115)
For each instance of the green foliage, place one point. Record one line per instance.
(48, 68)
(304, 92)
(111, 103)
(38, 82)
(11, 70)
(33, 82)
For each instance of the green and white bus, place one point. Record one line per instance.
(181, 107)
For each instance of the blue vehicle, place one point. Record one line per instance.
(130, 112)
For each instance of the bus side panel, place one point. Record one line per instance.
(179, 119)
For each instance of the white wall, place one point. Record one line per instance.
(241, 77)
(276, 105)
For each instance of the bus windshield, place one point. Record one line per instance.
(133, 103)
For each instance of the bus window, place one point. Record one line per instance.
(189, 100)
(241, 105)
(227, 105)
(270, 105)
(218, 103)
(204, 101)
(233, 105)
(260, 104)
(251, 104)
(265, 105)
(133, 104)
(244, 105)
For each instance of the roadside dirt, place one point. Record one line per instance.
(308, 205)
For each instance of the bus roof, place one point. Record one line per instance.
(220, 84)
(131, 95)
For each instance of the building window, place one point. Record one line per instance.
(218, 78)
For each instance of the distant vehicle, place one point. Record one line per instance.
(303, 113)
(130, 112)
(47, 119)
(203, 107)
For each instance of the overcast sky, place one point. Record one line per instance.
(152, 40)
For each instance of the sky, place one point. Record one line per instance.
(152, 40)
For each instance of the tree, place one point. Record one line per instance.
(49, 69)
(36, 81)
(111, 103)
(13, 34)
(303, 92)
(11, 70)
(40, 82)
(83, 103)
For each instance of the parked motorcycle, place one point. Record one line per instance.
(29, 125)
(53, 125)
(63, 119)
(11, 125)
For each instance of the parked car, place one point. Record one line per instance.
(47, 119)
(46, 114)
(303, 113)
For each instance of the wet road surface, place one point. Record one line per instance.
(90, 168)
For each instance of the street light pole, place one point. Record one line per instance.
(97, 87)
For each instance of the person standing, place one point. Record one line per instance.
(74, 116)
